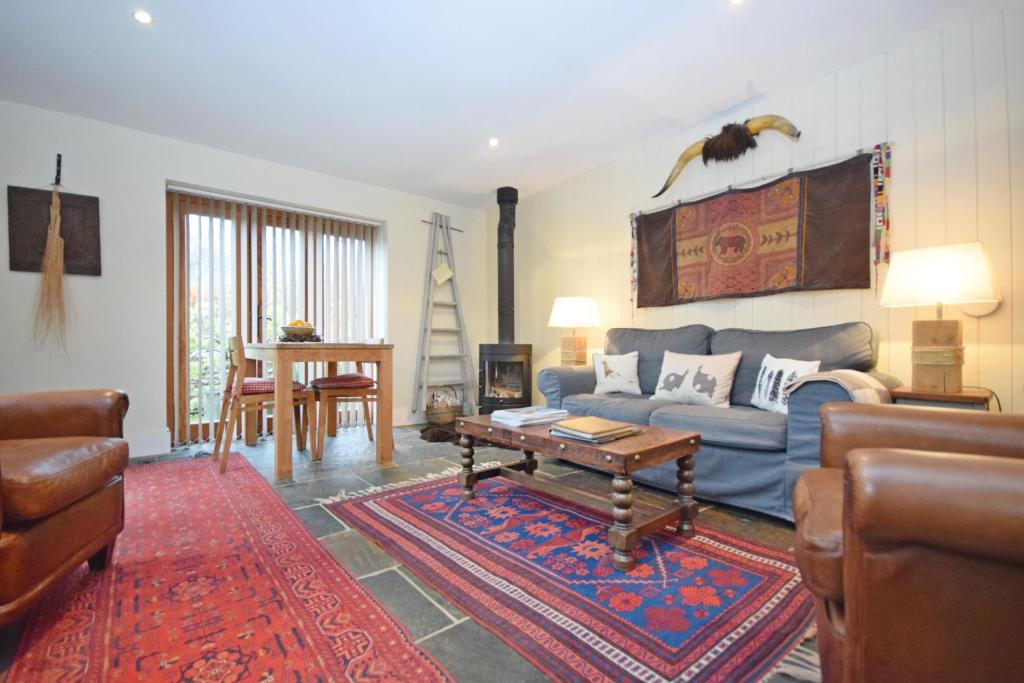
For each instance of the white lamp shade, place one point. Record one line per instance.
(573, 311)
(951, 274)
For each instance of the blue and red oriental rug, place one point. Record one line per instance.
(537, 572)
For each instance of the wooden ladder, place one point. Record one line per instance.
(439, 256)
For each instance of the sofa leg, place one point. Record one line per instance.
(101, 560)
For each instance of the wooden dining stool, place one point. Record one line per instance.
(346, 388)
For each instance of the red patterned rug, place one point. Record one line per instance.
(537, 572)
(214, 579)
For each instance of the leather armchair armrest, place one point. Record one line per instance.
(846, 426)
(557, 383)
(962, 503)
(933, 566)
(91, 412)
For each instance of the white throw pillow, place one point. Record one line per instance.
(617, 373)
(695, 379)
(775, 373)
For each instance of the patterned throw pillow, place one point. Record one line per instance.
(696, 379)
(770, 388)
(617, 373)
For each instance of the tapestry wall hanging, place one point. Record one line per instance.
(808, 230)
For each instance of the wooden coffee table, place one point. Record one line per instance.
(654, 445)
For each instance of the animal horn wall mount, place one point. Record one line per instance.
(732, 143)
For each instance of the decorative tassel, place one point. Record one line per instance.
(51, 312)
(633, 264)
(881, 175)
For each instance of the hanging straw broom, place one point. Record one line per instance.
(51, 312)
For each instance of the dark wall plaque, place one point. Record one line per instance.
(28, 216)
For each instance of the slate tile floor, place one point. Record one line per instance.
(468, 651)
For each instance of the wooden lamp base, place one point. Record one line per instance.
(937, 354)
(574, 351)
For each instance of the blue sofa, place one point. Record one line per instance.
(750, 458)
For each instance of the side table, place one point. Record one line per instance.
(970, 399)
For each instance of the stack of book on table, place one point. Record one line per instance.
(593, 429)
(531, 415)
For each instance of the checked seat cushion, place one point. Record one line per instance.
(262, 385)
(353, 380)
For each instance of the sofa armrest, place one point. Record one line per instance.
(803, 427)
(557, 383)
(890, 382)
(861, 425)
(92, 412)
(966, 504)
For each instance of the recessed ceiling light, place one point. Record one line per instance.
(142, 16)
(493, 142)
(735, 2)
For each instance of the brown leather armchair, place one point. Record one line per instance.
(61, 489)
(911, 538)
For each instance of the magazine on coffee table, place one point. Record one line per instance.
(530, 415)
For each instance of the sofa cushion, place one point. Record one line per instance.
(775, 375)
(633, 408)
(818, 512)
(702, 380)
(616, 374)
(652, 345)
(39, 477)
(839, 347)
(736, 426)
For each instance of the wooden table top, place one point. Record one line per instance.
(319, 345)
(651, 446)
(965, 396)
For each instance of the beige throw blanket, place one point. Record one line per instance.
(862, 387)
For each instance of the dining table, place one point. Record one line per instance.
(284, 355)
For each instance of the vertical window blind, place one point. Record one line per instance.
(244, 268)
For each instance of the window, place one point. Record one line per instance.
(242, 268)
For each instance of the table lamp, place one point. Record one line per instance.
(951, 274)
(574, 312)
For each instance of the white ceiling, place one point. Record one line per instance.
(405, 93)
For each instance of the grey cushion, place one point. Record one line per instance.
(736, 426)
(839, 347)
(632, 408)
(652, 345)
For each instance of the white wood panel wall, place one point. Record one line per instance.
(952, 104)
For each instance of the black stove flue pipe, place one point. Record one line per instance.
(508, 197)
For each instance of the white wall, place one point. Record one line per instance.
(952, 103)
(118, 327)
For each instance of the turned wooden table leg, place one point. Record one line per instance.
(622, 536)
(331, 406)
(467, 478)
(684, 475)
(531, 462)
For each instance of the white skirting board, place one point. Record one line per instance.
(144, 444)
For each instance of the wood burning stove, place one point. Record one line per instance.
(506, 376)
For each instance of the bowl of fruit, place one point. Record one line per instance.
(298, 328)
